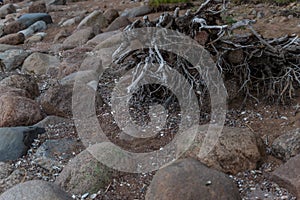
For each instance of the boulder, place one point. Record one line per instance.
(39, 63)
(15, 141)
(137, 11)
(72, 21)
(13, 27)
(101, 37)
(78, 38)
(96, 18)
(288, 175)
(37, 7)
(13, 58)
(13, 91)
(110, 15)
(236, 150)
(287, 145)
(13, 39)
(24, 82)
(37, 190)
(28, 19)
(118, 23)
(5, 47)
(57, 100)
(62, 34)
(7, 9)
(18, 111)
(190, 180)
(84, 174)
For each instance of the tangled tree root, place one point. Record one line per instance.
(262, 68)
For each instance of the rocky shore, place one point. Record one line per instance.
(47, 47)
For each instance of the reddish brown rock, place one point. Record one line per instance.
(111, 15)
(18, 111)
(13, 39)
(13, 91)
(78, 38)
(190, 180)
(13, 27)
(57, 100)
(24, 82)
(37, 7)
(288, 175)
(118, 23)
(235, 150)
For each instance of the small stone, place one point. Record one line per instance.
(260, 15)
(283, 19)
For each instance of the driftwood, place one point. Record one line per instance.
(263, 68)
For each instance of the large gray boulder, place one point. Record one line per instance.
(30, 18)
(15, 141)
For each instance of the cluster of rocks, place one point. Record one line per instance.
(36, 94)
